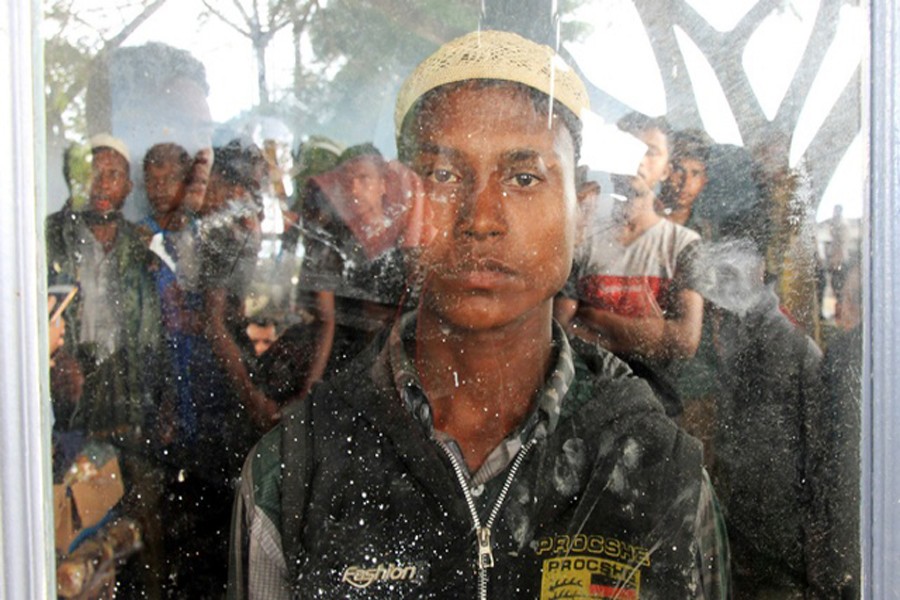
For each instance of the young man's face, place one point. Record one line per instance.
(197, 180)
(366, 186)
(688, 179)
(262, 337)
(641, 189)
(216, 194)
(501, 188)
(654, 166)
(165, 183)
(110, 181)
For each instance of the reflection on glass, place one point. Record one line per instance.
(229, 203)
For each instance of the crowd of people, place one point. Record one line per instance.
(492, 369)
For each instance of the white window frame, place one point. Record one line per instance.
(880, 506)
(26, 528)
(26, 521)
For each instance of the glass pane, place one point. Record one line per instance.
(235, 235)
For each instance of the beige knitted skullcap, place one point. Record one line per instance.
(494, 55)
(105, 140)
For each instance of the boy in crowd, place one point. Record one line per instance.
(690, 154)
(166, 170)
(473, 449)
(263, 332)
(116, 316)
(351, 279)
(630, 290)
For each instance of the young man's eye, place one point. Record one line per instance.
(524, 180)
(444, 176)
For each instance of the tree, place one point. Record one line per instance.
(77, 35)
(724, 51)
(259, 23)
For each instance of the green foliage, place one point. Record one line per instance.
(78, 163)
(66, 67)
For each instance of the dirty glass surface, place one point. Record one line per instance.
(228, 223)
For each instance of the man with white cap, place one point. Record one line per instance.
(473, 451)
(117, 310)
(114, 322)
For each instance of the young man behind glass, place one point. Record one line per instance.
(474, 450)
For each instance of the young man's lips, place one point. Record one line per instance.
(102, 204)
(481, 274)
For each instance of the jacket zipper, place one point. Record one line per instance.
(483, 533)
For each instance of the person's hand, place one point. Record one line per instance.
(56, 329)
(419, 230)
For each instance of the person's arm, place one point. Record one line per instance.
(263, 411)
(660, 336)
(324, 309)
(321, 274)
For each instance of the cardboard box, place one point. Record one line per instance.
(62, 518)
(94, 497)
(84, 503)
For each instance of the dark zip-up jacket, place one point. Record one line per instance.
(365, 504)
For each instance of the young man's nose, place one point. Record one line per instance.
(102, 184)
(482, 214)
